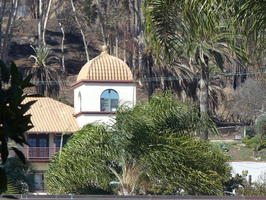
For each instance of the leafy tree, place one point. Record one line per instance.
(199, 32)
(13, 120)
(151, 148)
(80, 174)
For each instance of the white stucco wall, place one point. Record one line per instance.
(255, 169)
(95, 118)
(90, 99)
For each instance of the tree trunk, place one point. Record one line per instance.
(59, 20)
(81, 31)
(2, 11)
(124, 50)
(102, 22)
(45, 22)
(116, 46)
(62, 46)
(204, 97)
(39, 21)
(9, 27)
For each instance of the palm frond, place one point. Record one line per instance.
(45, 73)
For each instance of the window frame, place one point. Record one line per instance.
(80, 101)
(109, 101)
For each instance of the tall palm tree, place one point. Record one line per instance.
(251, 14)
(197, 30)
(45, 74)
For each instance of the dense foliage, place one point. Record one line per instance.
(19, 175)
(13, 120)
(198, 32)
(151, 148)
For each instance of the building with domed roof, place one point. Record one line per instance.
(103, 84)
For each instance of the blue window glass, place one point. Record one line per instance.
(38, 140)
(58, 140)
(109, 100)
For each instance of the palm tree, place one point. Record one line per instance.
(197, 30)
(45, 75)
(252, 13)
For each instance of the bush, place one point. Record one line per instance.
(255, 189)
(19, 175)
(250, 132)
(151, 149)
(261, 125)
(252, 142)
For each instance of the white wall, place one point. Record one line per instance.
(91, 93)
(255, 169)
(95, 118)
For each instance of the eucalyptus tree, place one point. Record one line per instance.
(150, 149)
(196, 30)
(8, 15)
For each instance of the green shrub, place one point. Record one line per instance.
(261, 124)
(252, 142)
(19, 175)
(150, 149)
(250, 132)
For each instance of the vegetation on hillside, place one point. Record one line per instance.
(199, 49)
(228, 33)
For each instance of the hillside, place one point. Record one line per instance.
(25, 35)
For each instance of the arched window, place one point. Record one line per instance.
(109, 100)
(80, 102)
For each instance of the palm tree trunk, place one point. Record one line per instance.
(204, 97)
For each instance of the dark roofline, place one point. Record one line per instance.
(93, 113)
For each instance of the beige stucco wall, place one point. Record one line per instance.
(43, 166)
(39, 166)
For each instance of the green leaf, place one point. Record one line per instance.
(3, 180)
(26, 82)
(4, 150)
(219, 59)
(4, 72)
(19, 154)
(16, 77)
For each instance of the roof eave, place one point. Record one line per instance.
(80, 82)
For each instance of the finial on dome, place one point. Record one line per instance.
(104, 48)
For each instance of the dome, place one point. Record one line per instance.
(105, 68)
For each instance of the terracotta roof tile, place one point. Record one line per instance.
(105, 68)
(49, 115)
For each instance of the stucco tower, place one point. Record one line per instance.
(103, 84)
